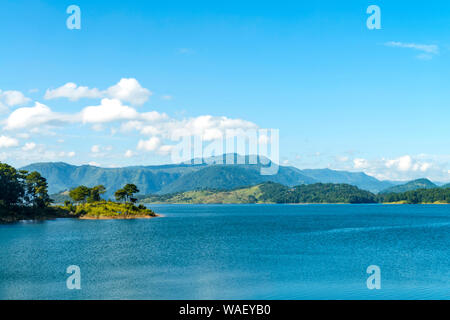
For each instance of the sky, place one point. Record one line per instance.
(115, 92)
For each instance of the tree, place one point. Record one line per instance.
(120, 195)
(127, 193)
(12, 190)
(96, 192)
(131, 189)
(79, 194)
(37, 190)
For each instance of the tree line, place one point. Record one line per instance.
(85, 194)
(22, 193)
(441, 195)
(20, 188)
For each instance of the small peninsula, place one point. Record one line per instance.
(24, 196)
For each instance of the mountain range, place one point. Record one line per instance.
(206, 174)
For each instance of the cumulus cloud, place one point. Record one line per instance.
(129, 154)
(8, 142)
(151, 144)
(126, 90)
(207, 127)
(29, 146)
(12, 98)
(38, 115)
(111, 110)
(129, 90)
(72, 92)
(405, 167)
(158, 131)
(360, 163)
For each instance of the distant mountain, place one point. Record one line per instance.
(225, 177)
(208, 174)
(150, 179)
(410, 186)
(359, 179)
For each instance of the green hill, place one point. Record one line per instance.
(227, 177)
(410, 186)
(184, 177)
(419, 196)
(269, 192)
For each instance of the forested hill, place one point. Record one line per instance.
(185, 177)
(270, 193)
(410, 186)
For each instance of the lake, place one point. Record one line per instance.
(234, 252)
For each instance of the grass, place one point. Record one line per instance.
(109, 210)
(243, 195)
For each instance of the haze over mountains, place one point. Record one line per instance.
(184, 177)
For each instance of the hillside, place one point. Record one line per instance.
(151, 179)
(184, 177)
(227, 177)
(419, 196)
(269, 192)
(359, 179)
(410, 186)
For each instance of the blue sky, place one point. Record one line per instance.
(342, 96)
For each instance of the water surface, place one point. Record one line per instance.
(234, 252)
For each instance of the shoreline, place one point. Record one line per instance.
(309, 203)
(118, 218)
(42, 219)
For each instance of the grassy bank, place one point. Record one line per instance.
(97, 210)
(109, 210)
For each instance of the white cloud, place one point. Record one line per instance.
(129, 154)
(165, 150)
(29, 146)
(428, 50)
(151, 144)
(13, 98)
(342, 158)
(109, 110)
(95, 149)
(360, 163)
(207, 127)
(406, 167)
(8, 142)
(126, 90)
(94, 164)
(71, 154)
(129, 90)
(72, 92)
(32, 117)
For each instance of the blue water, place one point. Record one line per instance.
(234, 252)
